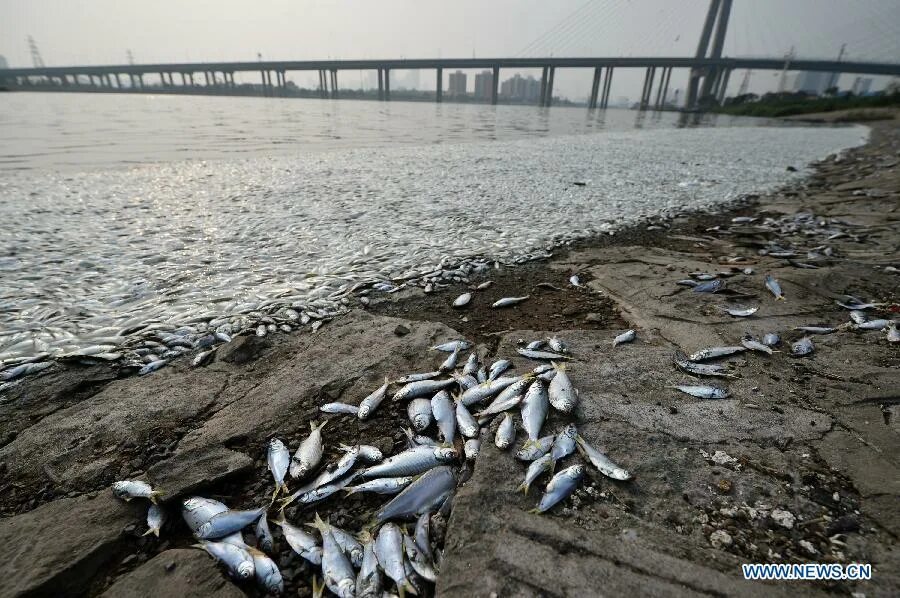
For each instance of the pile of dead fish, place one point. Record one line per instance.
(451, 410)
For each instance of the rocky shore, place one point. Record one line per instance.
(799, 464)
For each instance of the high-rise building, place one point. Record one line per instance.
(484, 85)
(520, 89)
(457, 85)
(3, 64)
(811, 82)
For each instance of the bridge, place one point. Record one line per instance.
(709, 72)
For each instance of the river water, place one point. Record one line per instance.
(120, 211)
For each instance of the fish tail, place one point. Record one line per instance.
(780, 298)
(534, 511)
(152, 530)
(408, 587)
(524, 488)
(154, 496)
(350, 491)
(318, 523)
(558, 366)
(317, 589)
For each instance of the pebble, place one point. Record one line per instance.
(401, 330)
(720, 539)
(783, 518)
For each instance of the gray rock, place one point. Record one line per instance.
(181, 572)
(188, 470)
(243, 349)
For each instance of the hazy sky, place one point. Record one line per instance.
(100, 31)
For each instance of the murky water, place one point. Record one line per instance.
(295, 203)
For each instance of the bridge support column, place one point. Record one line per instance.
(663, 88)
(387, 85)
(334, 84)
(183, 80)
(648, 88)
(607, 84)
(439, 86)
(595, 86)
(495, 83)
(380, 86)
(548, 98)
(723, 86)
(543, 96)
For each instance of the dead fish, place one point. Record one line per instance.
(702, 392)
(893, 335)
(343, 408)
(754, 345)
(564, 444)
(715, 352)
(424, 495)
(509, 301)
(770, 339)
(278, 458)
(450, 363)
(535, 345)
(711, 286)
(369, 404)
(560, 487)
(741, 312)
(625, 337)
(203, 358)
(815, 329)
(309, 453)
(802, 347)
(264, 539)
(419, 412)
(451, 346)
(444, 415)
(462, 300)
(471, 448)
(506, 432)
(542, 355)
(155, 519)
(267, 573)
(228, 522)
(465, 423)
(557, 345)
(235, 558)
(874, 325)
(774, 287)
(561, 393)
(471, 366)
(128, 489)
(687, 282)
(533, 449)
(601, 461)
(535, 407)
(300, 541)
(418, 377)
(702, 276)
(535, 469)
(698, 369)
(410, 462)
(152, 367)
(421, 388)
(382, 485)
(484, 285)
(574, 280)
(498, 367)
(857, 316)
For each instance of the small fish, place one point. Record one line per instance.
(803, 347)
(462, 300)
(465, 381)
(535, 345)
(815, 329)
(715, 352)
(536, 468)
(485, 390)
(471, 448)
(486, 284)
(557, 345)
(264, 539)
(152, 367)
(451, 346)
(267, 574)
(368, 580)
(421, 564)
(874, 325)
(506, 432)
(698, 369)
(369, 404)
(509, 397)
(711, 286)
(498, 367)
(203, 358)
(444, 413)
(702, 276)
(743, 219)
(155, 519)
(564, 444)
(302, 543)
(419, 377)
(197, 510)
(481, 375)
(367, 453)
(348, 543)
(235, 558)
(770, 339)
(534, 449)
(465, 423)
(542, 355)
(574, 280)
(228, 522)
(337, 569)
(601, 461)
(754, 345)
(858, 317)
(424, 495)
(535, 407)
(687, 282)
(382, 485)
(389, 552)
(343, 408)
(893, 335)
(561, 393)
(625, 337)
(278, 458)
(774, 287)
(471, 366)
(560, 487)
(508, 301)
(128, 489)
(422, 388)
(419, 412)
(423, 535)
(450, 363)
(741, 312)
(410, 462)
(702, 392)
(309, 453)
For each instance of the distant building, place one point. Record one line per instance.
(484, 85)
(457, 85)
(520, 89)
(3, 63)
(812, 82)
(862, 85)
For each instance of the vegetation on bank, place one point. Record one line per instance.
(786, 104)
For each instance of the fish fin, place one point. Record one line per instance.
(561, 367)
(318, 523)
(534, 511)
(409, 588)
(285, 502)
(152, 530)
(523, 487)
(281, 519)
(154, 496)
(350, 491)
(317, 589)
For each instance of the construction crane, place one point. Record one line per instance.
(35, 53)
(745, 84)
(130, 56)
(788, 58)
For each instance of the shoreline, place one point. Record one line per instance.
(205, 429)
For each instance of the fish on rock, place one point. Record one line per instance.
(560, 487)
(774, 287)
(509, 301)
(625, 337)
(309, 454)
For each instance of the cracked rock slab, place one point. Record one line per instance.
(189, 470)
(184, 573)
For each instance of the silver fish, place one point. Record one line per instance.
(320, 492)
(423, 535)
(389, 551)
(702, 392)
(451, 346)
(535, 345)
(203, 358)
(537, 467)
(302, 543)
(715, 353)
(711, 286)
(424, 495)
(561, 394)
(535, 406)
(352, 547)
(336, 567)
(702, 276)
(422, 388)
(278, 458)
(858, 317)
(418, 440)
(420, 563)
(802, 347)
(128, 489)
(27, 369)
(471, 448)
(418, 377)
(557, 345)
(774, 287)
(508, 301)
(486, 284)
(197, 510)
(560, 487)
(498, 367)
(506, 432)
(155, 519)
(698, 369)
(530, 354)
(309, 454)
(343, 408)
(770, 339)
(465, 423)
(152, 367)
(533, 449)
(741, 312)
(367, 452)
(486, 390)
(873, 325)
(235, 558)
(893, 335)
(462, 300)
(465, 381)
(382, 485)
(369, 404)
(419, 412)
(815, 329)
(450, 363)
(564, 444)
(267, 574)
(510, 397)
(471, 366)
(687, 282)
(337, 470)
(368, 580)
(481, 375)
(445, 415)
(754, 345)
(625, 337)
(223, 524)
(264, 539)
(601, 461)
(410, 462)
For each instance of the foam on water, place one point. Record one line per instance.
(183, 242)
